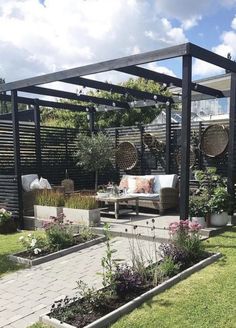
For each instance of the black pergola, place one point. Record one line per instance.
(128, 65)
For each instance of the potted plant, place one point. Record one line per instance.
(94, 153)
(198, 209)
(219, 204)
(7, 223)
(48, 203)
(82, 210)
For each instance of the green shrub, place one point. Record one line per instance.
(219, 201)
(198, 206)
(81, 202)
(59, 235)
(168, 267)
(50, 198)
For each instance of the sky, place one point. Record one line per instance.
(43, 36)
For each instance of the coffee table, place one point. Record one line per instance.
(119, 200)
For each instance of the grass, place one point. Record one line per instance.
(10, 244)
(207, 299)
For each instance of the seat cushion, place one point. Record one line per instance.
(144, 196)
(163, 181)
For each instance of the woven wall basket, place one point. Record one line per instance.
(214, 140)
(192, 157)
(126, 156)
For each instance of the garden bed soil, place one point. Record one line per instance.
(27, 259)
(117, 307)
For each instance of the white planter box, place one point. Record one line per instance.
(45, 212)
(199, 220)
(89, 218)
(219, 220)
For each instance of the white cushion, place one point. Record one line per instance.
(27, 179)
(145, 196)
(35, 184)
(44, 184)
(131, 183)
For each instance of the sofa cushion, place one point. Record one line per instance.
(144, 196)
(144, 185)
(27, 179)
(124, 182)
(163, 181)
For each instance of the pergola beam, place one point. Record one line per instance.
(147, 57)
(74, 96)
(118, 89)
(46, 103)
(164, 78)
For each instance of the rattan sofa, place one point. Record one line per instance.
(166, 198)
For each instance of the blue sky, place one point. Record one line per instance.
(38, 37)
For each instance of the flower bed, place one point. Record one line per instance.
(59, 240)
(126, 287)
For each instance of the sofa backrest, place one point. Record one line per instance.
(161, 181)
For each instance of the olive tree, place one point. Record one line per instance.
(94, 153)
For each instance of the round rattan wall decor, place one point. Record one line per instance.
(192, 157)
(126, 156)
(214, 140)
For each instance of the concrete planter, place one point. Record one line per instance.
(45, 212)
(113, 316)
(90, 218)
(219, 220)
(18, 259)
(199, 220)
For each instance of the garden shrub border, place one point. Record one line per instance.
(128, 307)
(43, 259)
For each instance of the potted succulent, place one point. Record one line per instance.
(82, 210)
(198, 209)
(7, 223)
(48, 203)
(219, 204)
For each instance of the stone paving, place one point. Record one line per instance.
(26, 294)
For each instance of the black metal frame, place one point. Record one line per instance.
(75, 76)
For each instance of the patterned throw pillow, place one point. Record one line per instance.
(144, 185)
(124, 183)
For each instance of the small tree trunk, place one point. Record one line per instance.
(96, 180)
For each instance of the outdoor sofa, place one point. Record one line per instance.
(163, 193)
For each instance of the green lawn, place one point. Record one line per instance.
(10, 244)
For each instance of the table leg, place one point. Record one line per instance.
(116, 209)
(137, 206)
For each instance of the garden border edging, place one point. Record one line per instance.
(49, 257)
(113, 316)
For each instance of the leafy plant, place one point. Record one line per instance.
(168, 267)
(219, 201)
(33, 244)
(127, 280)
(81, 202)
(198, 206)
(5, 216)
(94, 153)
(48, 197)
(59, 235)
(86, 233)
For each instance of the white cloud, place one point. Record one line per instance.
(38, 38)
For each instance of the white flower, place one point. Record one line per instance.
(21, 238)
(29, 235)
(37, 251)
(33, 242)
(2, 210)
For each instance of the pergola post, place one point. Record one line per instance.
(37, 137)
(185, 136)
(17, 161)
(168, 137)
(232, 138)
